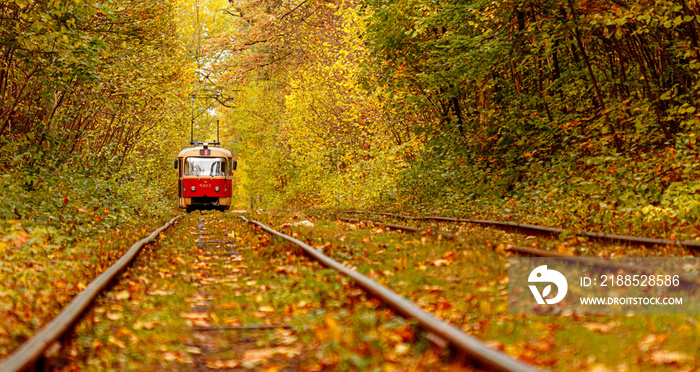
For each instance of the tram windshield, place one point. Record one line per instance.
(205, 167)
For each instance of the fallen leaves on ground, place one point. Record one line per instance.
(252, 358)
(222, 364)
(669, 357)
(600, 327)
(651, 341)
(177, 356)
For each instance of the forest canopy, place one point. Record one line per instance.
(562, 112)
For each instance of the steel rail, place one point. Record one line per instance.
(545, 229)
(398, 227)
(594, 261)
(31, 351)
(473, 348)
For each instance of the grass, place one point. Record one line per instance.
(465, 283)
(143, 321)
(334, 325)
(40, 274)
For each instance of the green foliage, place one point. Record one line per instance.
(591, 104)
(89, 96)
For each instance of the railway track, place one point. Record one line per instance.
(552, 231)
(31, 353)
(221, 292)
(471, 347)
(593, 261)
(222, 274)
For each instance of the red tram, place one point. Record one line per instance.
(205, 176)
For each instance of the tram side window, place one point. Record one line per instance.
(205, 167)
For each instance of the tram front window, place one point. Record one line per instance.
(205, 167)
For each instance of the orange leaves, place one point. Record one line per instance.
(285, 269)
(160, 292)
(229, 306)
(139, 324)
(441, 262)
(447, 259)
(252, 358)
(20, 238)
(114, 316)
(651, 341)
(177, 356)
(195, 315)
(563, 249)
(117, 342)
(600, 327)
(669, 357)
(263, 311)
(221, 364)
(196, 319)
(331, 330)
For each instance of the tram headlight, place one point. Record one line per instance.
(193, 188)
(216, 189)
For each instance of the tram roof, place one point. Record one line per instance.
(195, 151)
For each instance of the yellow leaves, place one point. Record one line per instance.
(196, 319)
(252, 358)
(221, 364)
(96, 344)
(177, 356)
(229, 306)
(139, 324)
(232, 321)
(402, 348)
(600, 327)
(193, 350)
(446, 260)
(441, 262)
(485, 306)
(114, 316)
(266, 309)
(651, 341)
(122, 295)
(160, 292)
(194, 316)
(669, 357)
(116, 342)
(214, 318)
(432, 288)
